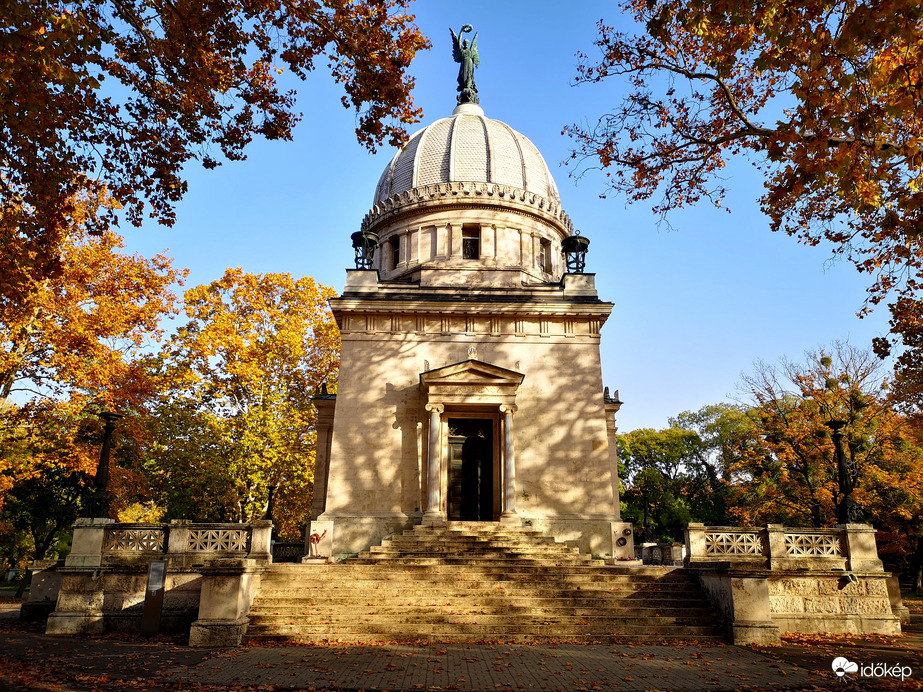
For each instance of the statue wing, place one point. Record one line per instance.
(474, 51)
(456, 46)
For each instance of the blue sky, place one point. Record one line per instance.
(694, 307)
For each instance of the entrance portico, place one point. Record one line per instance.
(471, 390)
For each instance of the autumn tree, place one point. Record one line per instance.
(70, 346)
(907, 326)
(79, 340)
(786, 471)
(81, 331)
(124, 94)
(822, 97)
(238, 423)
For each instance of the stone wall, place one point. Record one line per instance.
(772, 580)
(211, 573)
(831, 603)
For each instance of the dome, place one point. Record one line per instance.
(467, 147)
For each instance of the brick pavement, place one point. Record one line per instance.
(114, 663)
(500, 667)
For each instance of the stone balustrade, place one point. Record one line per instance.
(848, 547)
(103, 542)
(767, 580)
(212, 573)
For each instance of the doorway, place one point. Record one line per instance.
(471, 469)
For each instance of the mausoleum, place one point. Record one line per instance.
(467, 459)
(470, 386)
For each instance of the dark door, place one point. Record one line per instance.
(471, 469)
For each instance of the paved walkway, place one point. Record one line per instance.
(31, 661)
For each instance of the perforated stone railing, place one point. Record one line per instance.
(847, 546)
(134, 538)
(100, 542)
(734, 542)
(814, 543)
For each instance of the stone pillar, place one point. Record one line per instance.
(228, 588)
(325, 405)
(752, 615)
(509, 466)
(433, 513)
(87, 544)
(44, 589)
(860, 548)
(898, 608)
(775, 544)
(623, 541)
(177, 542)
(322, 548)
(611, 407)
(442, 242)
(695, 543)
(260, 542)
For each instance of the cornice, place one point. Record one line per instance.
(451, 196)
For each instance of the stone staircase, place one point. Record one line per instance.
(478, 581)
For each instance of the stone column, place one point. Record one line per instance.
(326, 406)
(87, 543)
(228, 588)
(433, 513)
(261, 542)
(775, 544)
(695, 542)
(611, 406)
(509, 466)
(860, 548)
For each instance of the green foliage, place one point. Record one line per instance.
(38, 511)
(670, 481)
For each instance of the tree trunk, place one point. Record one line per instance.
(917, 566)
(24, 581)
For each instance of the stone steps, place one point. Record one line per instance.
(529, 608)
(473, 581)
(633, 575)
(523, 579)
(460, 632)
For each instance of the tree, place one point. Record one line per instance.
(666, 485)
(44, 506)
(907, 324)
(73, 345)
(123, 94)
(720, 428)
(786, 472)
(87, 330)
(822, 97)
(238, 417)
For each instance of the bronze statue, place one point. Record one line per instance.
(467, 56)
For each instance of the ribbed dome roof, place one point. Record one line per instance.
(467, 147)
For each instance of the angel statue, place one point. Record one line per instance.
(467, 56)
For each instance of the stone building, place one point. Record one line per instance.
(470, 386)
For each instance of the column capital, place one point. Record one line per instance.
(508, 408)
(436, 408)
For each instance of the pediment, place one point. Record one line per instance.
(472, 372)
